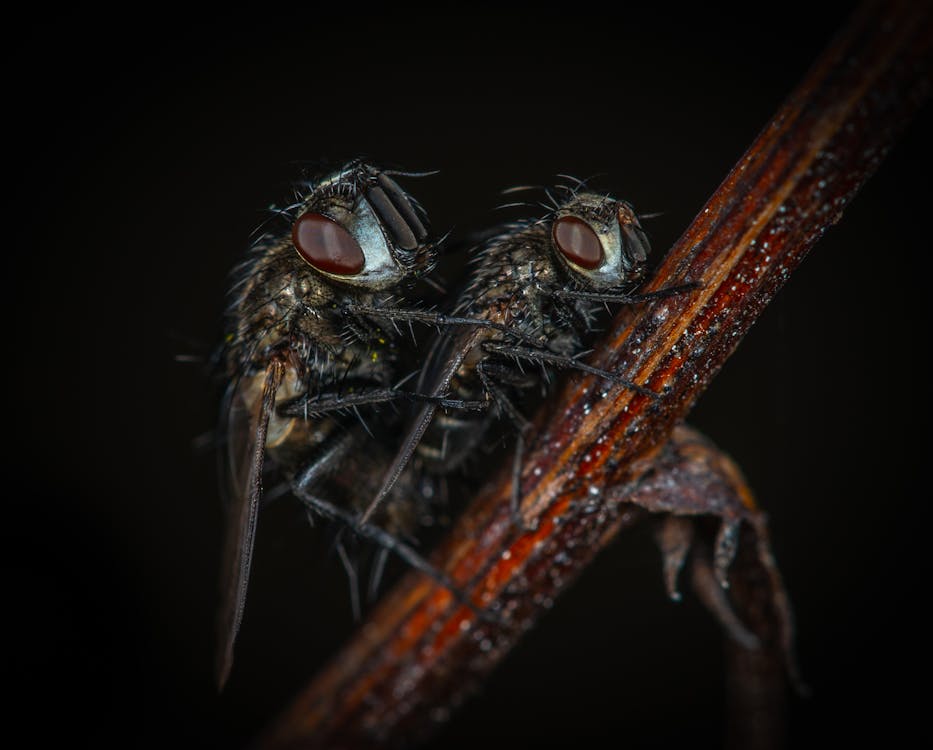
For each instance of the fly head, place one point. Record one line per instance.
(359, 227)
(349, 236)
(599, 241)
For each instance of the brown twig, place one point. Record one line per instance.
(756, 688)
(421, 651)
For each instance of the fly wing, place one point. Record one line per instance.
(445, 358)
(247, 424)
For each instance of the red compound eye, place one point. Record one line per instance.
(578, 242)
(327, 246)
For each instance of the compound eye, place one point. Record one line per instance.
(327, 246)
(578, 242)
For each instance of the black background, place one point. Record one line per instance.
(142, 152)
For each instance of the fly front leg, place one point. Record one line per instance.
(626, 299)
(436, 319)
(326, 403)
(545, 357)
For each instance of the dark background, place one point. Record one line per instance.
(141, 155)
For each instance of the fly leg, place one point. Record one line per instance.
(433, 318)
(626, 299)
(515, 498)
(563, 362)
(387, 541)
(395, 315)
(331, 455)
(303, 486)
(350, 568)
(491, 374)
(327, 403)
(375, 574)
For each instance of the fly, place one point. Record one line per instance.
(312, 347)
(541, 282)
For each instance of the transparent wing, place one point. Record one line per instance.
(446, 355)
(249, 408)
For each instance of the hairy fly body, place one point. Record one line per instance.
(312, 347)
(542, 283)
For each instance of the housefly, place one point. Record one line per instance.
(542, 282)
(312, 347)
